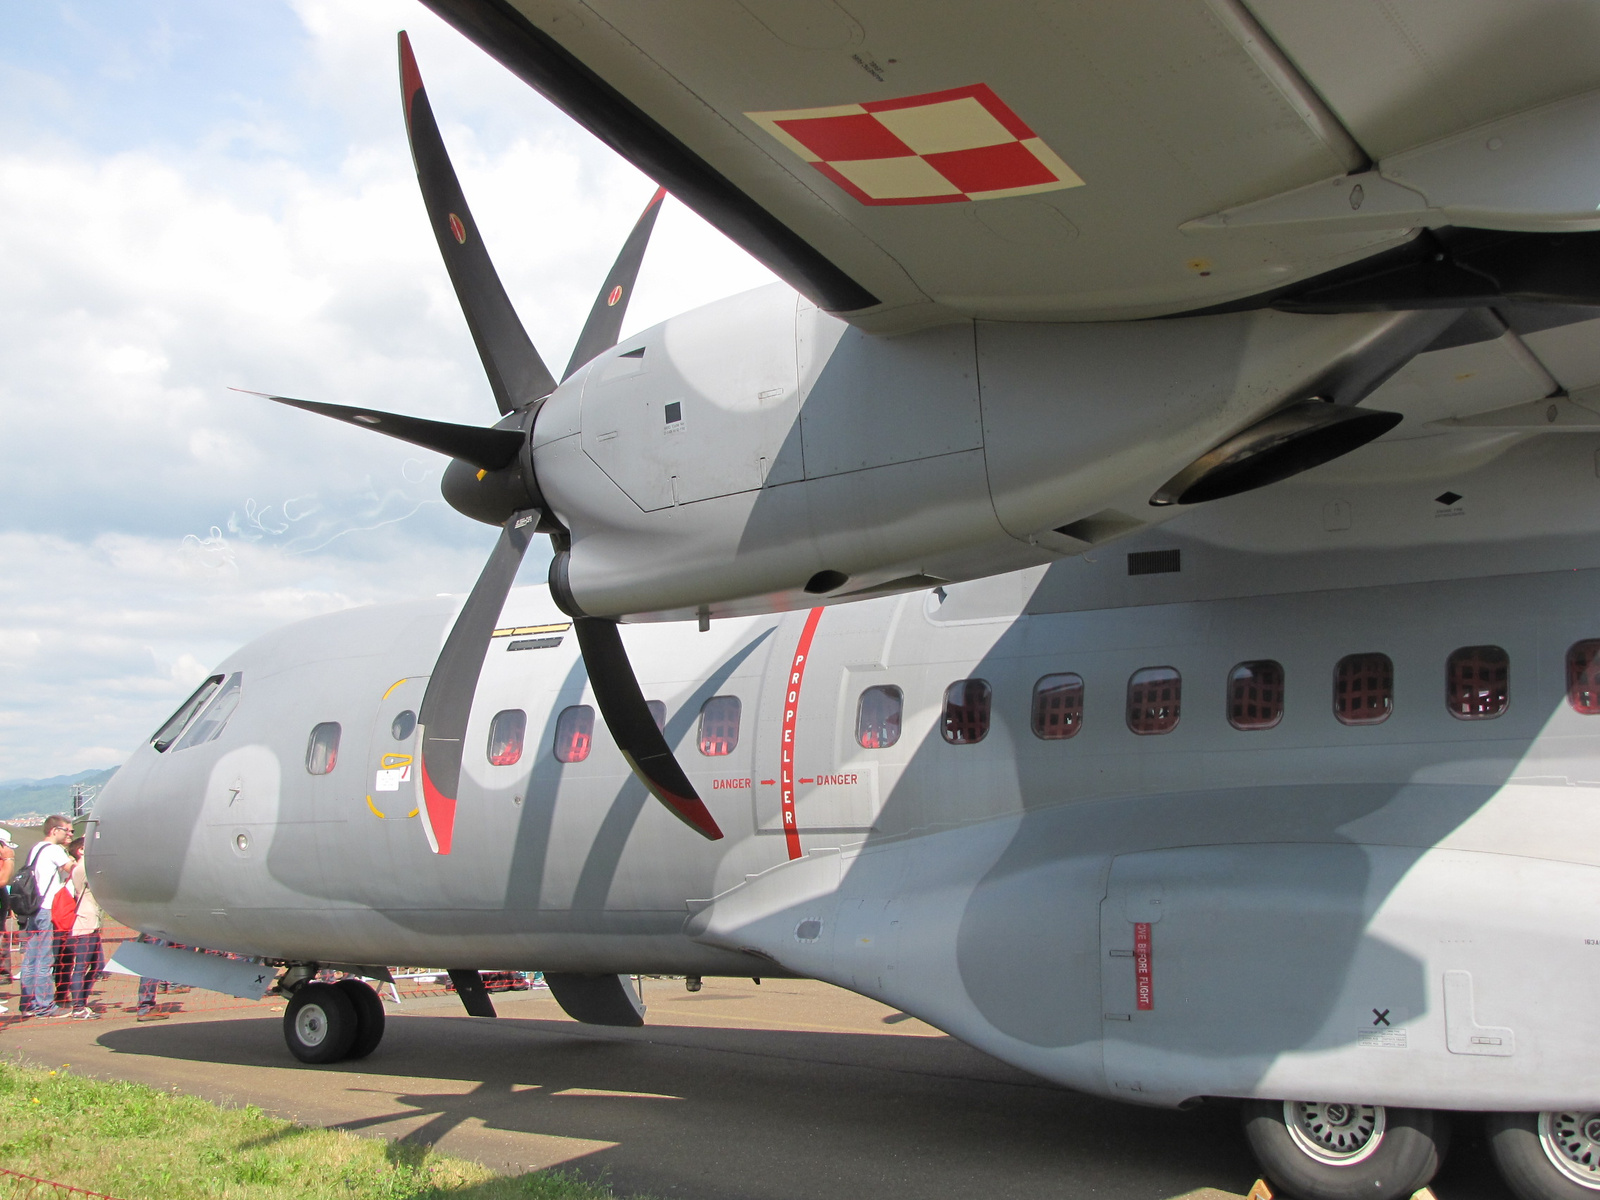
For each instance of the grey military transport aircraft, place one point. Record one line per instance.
(1142, 563)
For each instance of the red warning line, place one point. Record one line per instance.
(791, 707)
(53, 1188)
(1143, 989)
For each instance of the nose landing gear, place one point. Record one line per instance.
(329, 1022)
(1317, 1150)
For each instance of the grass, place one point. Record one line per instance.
(137, 1143)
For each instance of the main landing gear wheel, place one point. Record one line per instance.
(369, 1016)
(320, 1023)
(1316, 1150)
(1547, 1156)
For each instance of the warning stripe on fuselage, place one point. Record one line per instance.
(791, 709)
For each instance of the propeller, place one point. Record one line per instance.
(491, 479)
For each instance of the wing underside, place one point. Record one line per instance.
(910, 164)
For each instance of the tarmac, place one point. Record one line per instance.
(780, 1091)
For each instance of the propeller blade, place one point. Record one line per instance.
(516, 372)
(447, 701)
(622, 704)
(601, 330)
(490, 449)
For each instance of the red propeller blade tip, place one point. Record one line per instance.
(410, 77)
(441, 811)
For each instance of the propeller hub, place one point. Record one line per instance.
(489, 496)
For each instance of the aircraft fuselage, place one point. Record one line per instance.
(1402, 911)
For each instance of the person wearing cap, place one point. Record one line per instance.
(8, 865)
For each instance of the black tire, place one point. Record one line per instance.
(1541, 1155)
(320, 1023)
(369, 1016)
(1389, 1153)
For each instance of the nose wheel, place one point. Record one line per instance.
(329, 1022)
(1332, 1150)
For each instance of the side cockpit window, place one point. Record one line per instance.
(322, 748)
(178, 721)
(208, 726)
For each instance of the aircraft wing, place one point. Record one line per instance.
(905, 164)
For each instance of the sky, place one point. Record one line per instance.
(196, 196)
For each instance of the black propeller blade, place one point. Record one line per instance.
(447, 701)
(503, 489)
(516, 372)
(622, 704)
(604, 326)
(490, 449)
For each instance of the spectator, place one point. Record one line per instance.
(83, 940)
(51, 864)
(8, 864)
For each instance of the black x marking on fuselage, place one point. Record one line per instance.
(1380, 1018)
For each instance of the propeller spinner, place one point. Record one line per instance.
(491, 479)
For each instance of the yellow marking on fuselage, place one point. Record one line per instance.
(374, 809)
(394, 685)
(481, 474)
(412, 813)
(525, 630)
(390, 761)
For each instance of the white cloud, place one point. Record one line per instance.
(150, 519)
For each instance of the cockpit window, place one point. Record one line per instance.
(210, 723)
(168, 733)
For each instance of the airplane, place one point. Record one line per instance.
(1139, 561)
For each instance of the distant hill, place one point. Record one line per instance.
(41, 797)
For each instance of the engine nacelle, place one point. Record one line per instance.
(758, 454)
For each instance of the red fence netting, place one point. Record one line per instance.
(16, 1186)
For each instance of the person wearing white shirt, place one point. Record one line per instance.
(51, 865)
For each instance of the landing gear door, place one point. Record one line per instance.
(391, 795)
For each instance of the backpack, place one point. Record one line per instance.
(25, 898)
(64, 909)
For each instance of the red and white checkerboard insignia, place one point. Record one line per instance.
(939, 148)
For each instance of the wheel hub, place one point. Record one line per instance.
(1571, 1142)
(311, 1025)
(1337, 1134)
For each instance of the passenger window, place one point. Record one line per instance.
(1363, 689)
(1255, 694)
(403, 725)
(1477, 686)
(658, 710)
(966, 712)
(505, 736)
(574, 733)
(1058, 706)
(168, 733)
(719, 726)
(1583, 677)
(1155, 696)
(878, 717)
(322, 750)
(209, 724)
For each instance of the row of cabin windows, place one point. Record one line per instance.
(574, 736)
(1477, 687)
